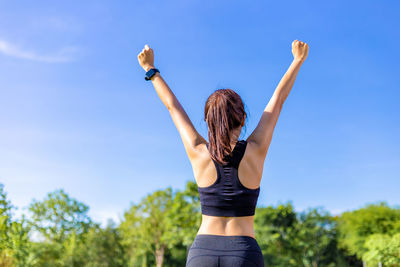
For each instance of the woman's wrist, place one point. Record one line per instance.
(299, 60)
(148, 67)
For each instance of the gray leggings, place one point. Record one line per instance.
(218, 250)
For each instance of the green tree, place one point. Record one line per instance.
(59, 215)
(62, 221)
(161, 221)
(20, 243)
(103, 247)
(45, 254)
(185, 214)
(314, 236)
(288, 238)
(14, 239)
(146, 225)
(382, 248)
(186, 221)
(73, 249)
(356, 226)
(6, 258)
(274, 230)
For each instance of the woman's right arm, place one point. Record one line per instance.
(262, 134)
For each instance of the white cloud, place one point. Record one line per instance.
(66, 54)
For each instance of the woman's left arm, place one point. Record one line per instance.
(190, 137)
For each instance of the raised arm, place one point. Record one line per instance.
(262, 134)
(190, 137)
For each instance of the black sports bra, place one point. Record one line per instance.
(228, 197)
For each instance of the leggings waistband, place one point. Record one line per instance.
(222, 242)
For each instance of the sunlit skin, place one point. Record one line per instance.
(251, 166)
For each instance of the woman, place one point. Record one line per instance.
(227, 170)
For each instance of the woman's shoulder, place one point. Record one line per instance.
(252, 152)
(199, 152)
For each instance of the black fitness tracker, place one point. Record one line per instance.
(150, 73)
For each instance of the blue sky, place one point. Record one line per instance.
(76, 112)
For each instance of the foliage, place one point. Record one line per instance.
(273, 230)
(103, 247)
(315, 238)
(161, 221)
(14, 240)
(383, 248)
(290, 239)
(5, 218)
(58, 216)
(161, 227)
(356, 226)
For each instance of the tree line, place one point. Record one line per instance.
(158, 231)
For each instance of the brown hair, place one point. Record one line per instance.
(223, 112)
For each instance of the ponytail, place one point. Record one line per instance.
(223, 112)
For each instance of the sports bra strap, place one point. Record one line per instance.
(238, 153)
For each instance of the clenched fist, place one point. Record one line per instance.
(299, 50)
(146, 58)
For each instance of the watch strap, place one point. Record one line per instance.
(150, 73)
